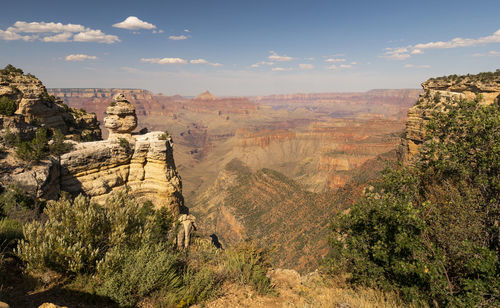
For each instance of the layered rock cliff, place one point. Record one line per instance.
(437, 93)
(143, 164)
(36, 106)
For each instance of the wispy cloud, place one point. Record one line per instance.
(281, 69)
(203, 61)
(187, 30)
(402, 53)
(164, 60)
(158, 31)
(331, 67)
(306, 66)
(345, 65)
(417, 66)
(178, 37)
(335, 60)
(275, 57)
(46, 32)
(134, 23)
(261, 63)
(79, 57)
(492, 53)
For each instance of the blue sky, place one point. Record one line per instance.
(249, 47)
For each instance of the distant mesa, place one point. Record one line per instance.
(205, 96)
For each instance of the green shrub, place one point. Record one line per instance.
(10, 69)
(9, 138)
(7, 106)
(129, 275)
(430, 230)
(11, 230)
(247, 264)
(58, 146)
(78, 233)
(35, 149)
(16, 204)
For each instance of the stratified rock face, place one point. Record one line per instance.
(35, 105)
(121, 119)
(145, 167)
(142, 164)
(440, 90)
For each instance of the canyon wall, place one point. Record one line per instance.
(437, 93)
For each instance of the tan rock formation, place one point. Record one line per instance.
(36, 106)
(121, 119)
(206, 96)
(439, 91)
(142, 164)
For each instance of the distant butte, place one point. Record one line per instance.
(206, 96)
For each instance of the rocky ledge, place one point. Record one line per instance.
(438, 91)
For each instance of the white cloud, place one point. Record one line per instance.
(158, 31)
(13, 36)
(305, 66)
(79, 57)
(198, 61)
(61, 37)
(261, 63)
(345, 66)
(275, 57)
(187, 30)
(402, 53)
(55, 32)
(96, 36)
(45, 27)
(203, 61)
(178, 37)
(331, 67)
(335, 60)
(164, 60)
(134, 23)
(309, 59)
(354, 63)
(417, 66)
(281, 69)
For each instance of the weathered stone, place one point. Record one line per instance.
(437, 92)
(121, 119)
(36, 106)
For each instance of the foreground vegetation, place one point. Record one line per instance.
(431, 230)
(125, 252)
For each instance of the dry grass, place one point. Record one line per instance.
(312, 290)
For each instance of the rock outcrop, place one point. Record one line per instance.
(121, 120)
(36, 106)
(438, 91)
(143, 164)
